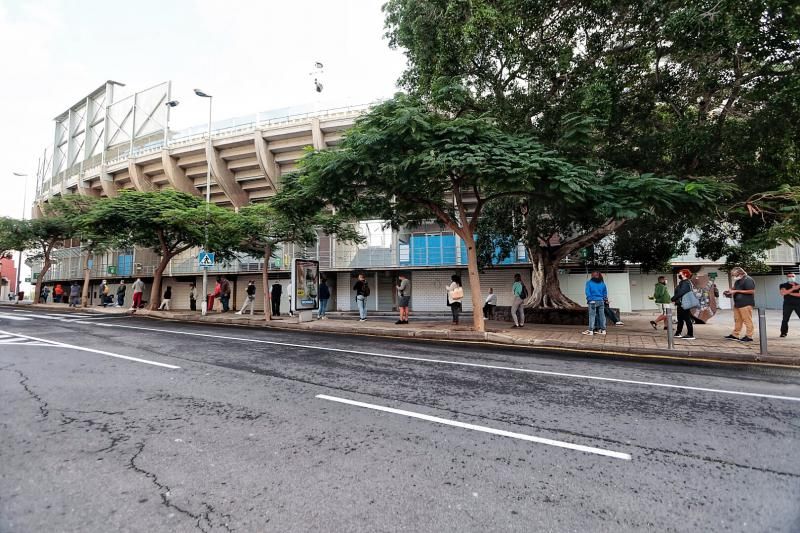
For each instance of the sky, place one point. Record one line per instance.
(251, 55)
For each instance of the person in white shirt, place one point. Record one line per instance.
(489, 305)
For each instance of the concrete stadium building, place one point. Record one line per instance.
(102, 146)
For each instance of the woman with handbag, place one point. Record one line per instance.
(685, 300)
(455, 293)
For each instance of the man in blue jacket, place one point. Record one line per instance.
(596, 295)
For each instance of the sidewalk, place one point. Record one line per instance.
(636, 338)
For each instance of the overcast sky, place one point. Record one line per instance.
(252, 55)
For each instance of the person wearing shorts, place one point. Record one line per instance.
(403, 298)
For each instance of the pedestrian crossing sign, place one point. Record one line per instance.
(206, 259)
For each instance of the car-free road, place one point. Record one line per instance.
(118, 423)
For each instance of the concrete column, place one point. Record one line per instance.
(225, 178)
(140, 181)
(107, 183)
(86, 191)
(316, 134)
(176, 175)
(266, 160)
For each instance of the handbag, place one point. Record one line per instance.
(689, 300)
(457, 293)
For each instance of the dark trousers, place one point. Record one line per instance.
(276, 306)
(611, 315)
(488, 311)
(225, 302)
(685, 317)
(192, 304)
(788, 309)
(455, 308)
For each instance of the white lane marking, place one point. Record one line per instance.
(473, 365)
(483, 429)
(92, 350)
(10, 317)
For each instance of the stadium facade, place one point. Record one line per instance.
(103, 146)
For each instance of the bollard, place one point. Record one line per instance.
(670, 331)
(762, 330)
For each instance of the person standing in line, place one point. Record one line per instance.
(166, 300)
(403, 298)
(217, 301)
(455, 293)
(611, 315)
(683, 293)
(662, 299)
(74, 294)
(744, 300)
(490, 304)
(58, 293)
(193, 296)
(518, 304)
(44, 294)
(596, 294)
(103, 293)
(362, 292)
(275, 298)
(121, 293)
(225, 294)
(138, 289)
(324, 294)
(250, 300)
(791, 301)
(290, 294)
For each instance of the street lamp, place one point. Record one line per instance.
(204, 303)
(24, 204)
(170, 105)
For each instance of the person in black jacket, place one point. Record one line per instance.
(324, 294)
(275, 298)
(684, 315)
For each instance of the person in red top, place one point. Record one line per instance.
(58, 291)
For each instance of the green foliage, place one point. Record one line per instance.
(707, 88)
(169, 222)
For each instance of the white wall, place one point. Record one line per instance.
(619, 293)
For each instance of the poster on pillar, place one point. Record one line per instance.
(305, 280)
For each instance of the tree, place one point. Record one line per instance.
(39, 236)
(169, 222)
(705, 88)
(406, 162)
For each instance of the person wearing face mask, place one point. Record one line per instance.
(791, 301)
(662, 300)
(684, 307)
(744, 300)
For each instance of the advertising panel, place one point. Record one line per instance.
(305, 281)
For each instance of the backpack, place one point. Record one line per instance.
(524, 293)
(365, 289)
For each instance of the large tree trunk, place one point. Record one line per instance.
(155, 291)
(45, 268)
(474, 282)
(265, 280)
(86, 275)
(545, 288)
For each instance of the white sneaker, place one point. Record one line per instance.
(619, 323)
(601, 332)
(587, 332)
(688, 338)
(238, 312)
(362, 319)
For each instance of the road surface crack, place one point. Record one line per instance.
(202, 520)
(24, 382)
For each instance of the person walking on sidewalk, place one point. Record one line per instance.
(138, 289)
(275, 298)
(193, 296)
(74, 294)
(324, 294)
(490, 304)
(403, 297)
(362, 292)
(685, 299)
(662, 300)
(250, 300)
(791, 301)
(518, 304)
(744, 300)
(165, 302)
(596, 294)
(121, 293)
(455, 293)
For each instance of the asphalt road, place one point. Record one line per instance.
(236, 429)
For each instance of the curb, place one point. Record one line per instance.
(498, 339)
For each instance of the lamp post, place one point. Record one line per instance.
(170, 104)
(204, 303)
(24, 203)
